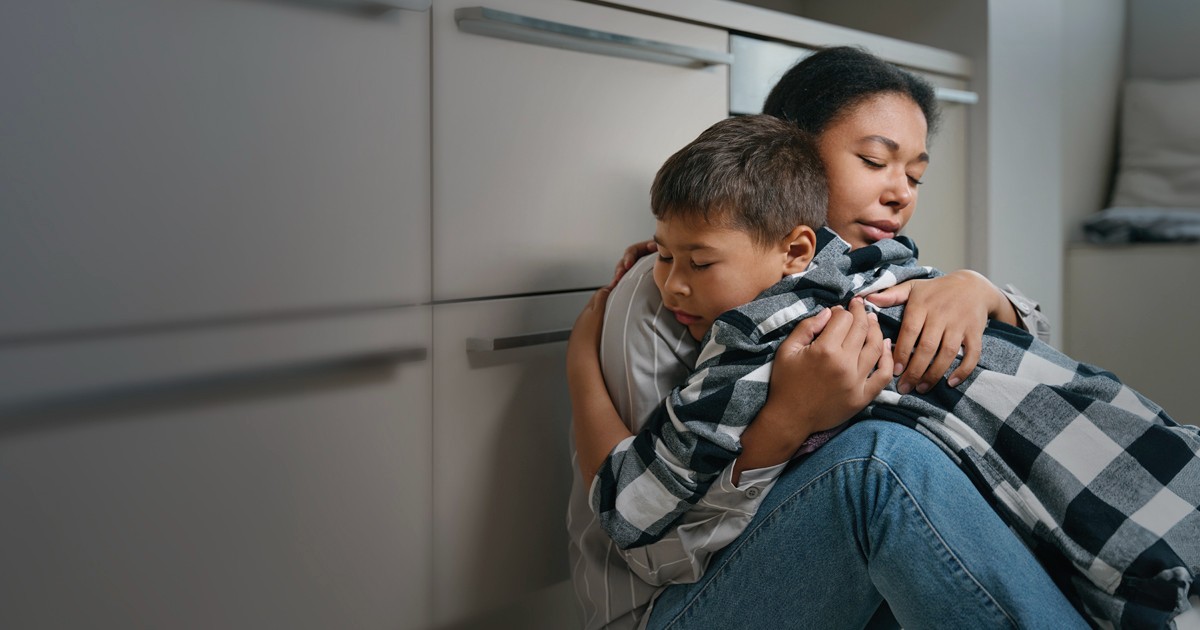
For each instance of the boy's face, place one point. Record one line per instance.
(874, 158)
(704, 269)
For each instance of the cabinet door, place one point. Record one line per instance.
(190, 161)
(502, 469)
(295, 499)
(543, 156)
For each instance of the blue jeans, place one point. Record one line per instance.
(878, 513)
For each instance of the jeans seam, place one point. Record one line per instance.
(733, 553)
(946, 546)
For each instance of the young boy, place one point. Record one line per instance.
(1100, 482)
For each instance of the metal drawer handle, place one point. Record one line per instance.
(208, 382)
(388, 5)
(493, 23)
(956, 96)
(490, 344)
(405, 5)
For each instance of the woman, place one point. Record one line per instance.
(877, 513)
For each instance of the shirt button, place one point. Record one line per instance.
(752, 492)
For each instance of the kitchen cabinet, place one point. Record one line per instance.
(501, 465)
(287, 498)
(187, 162)
(543, 156)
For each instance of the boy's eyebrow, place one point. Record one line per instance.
(892, 145)
(687, 247)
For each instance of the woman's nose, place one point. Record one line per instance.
(899, 194)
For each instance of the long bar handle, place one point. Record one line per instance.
(404, 5)
(176, 385)
(491, 344)
(493, 23)
(956, 96)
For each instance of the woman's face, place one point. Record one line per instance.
(874, 157)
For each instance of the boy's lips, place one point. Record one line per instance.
(687, 319)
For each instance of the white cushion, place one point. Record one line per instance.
(1160, 145)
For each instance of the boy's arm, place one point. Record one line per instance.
(841, 360)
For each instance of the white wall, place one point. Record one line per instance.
(1093, 67)
(1162, 39)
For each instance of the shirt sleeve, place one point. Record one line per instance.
(1029, 313)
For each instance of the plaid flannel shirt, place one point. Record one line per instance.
(1098, 480)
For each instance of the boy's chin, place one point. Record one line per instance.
(697, 331)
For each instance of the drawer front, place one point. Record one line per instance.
(289, 500)
(502, 470)
(543, 156)
(188, 160)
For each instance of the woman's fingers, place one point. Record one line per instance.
(970, 358)
(631, 256)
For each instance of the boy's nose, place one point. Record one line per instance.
(678, 285)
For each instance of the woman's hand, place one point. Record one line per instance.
(631, 255)
(822, 375)
(941, 316)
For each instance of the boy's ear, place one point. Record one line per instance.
(801, 247)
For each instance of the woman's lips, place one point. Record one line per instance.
(880, 230)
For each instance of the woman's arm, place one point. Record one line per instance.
(598, 427)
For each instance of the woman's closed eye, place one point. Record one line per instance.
(870, 162)
(700, 266)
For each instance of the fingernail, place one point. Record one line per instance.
(872, 316)
(953, 381)
(922, 388)
(898, 369)
(904, 388)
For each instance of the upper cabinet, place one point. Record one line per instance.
(550, 120)
(173, 161)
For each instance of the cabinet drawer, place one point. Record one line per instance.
(192, 160)
(502, 470)
(543, 156)
(299, 501)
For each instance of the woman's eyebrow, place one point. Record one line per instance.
(893, 146)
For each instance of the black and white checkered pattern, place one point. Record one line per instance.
(1098, 480)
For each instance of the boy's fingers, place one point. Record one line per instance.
(857, 334)
(872, 348)
(840, 321)
(883, 372)
(806, 331)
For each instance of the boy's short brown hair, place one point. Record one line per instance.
(756, 173)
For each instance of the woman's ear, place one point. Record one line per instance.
(801, 247)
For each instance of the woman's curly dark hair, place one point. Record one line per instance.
(830, 82)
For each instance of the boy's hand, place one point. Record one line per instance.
(820, 383)
(631, 255)
(941, 316)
